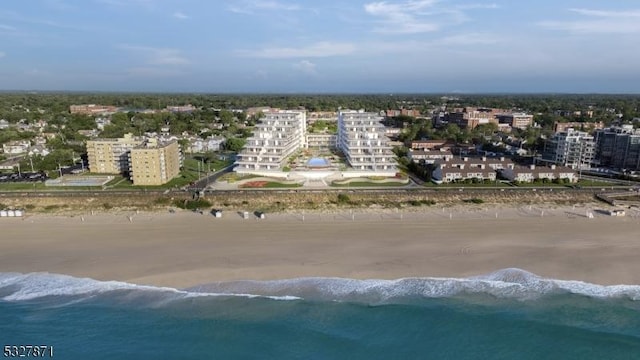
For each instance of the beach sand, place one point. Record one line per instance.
(185, 249)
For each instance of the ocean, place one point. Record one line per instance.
(509, 314)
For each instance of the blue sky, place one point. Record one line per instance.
(321, 46)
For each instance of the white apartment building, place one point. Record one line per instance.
(322, 141)
(361, 137)
(279, 135)
(571, 148)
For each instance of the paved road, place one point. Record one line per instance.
(209, 179)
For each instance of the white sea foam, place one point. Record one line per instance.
(508, 284)
(22, 287)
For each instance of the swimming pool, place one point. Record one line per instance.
(317, 162)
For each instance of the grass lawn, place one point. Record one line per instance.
(369, 184)
(542, 185)
(457, 185)
(599, 183)
(10, 186)
(191, 172)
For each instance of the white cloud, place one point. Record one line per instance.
(158, 56)
(608, 14)
(598, 22)
(254, 6)
(306, 67)
(2, 54)
(418, 16)
(319, 49)
(180, 15)
(7, 27)
(400, 18)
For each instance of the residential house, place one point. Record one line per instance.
(538, 173)
(199, 145)
(16, 147)
(39, 149)
(429, 156)
(469, 168)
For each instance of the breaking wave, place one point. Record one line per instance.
(513, 284)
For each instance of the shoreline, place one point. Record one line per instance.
(185, 249)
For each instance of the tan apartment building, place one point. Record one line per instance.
(111, 156)
(154, 162)
(516, 120)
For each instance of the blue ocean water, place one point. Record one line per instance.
(509, 314)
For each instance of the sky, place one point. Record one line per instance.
(321, 46)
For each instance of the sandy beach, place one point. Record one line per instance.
(185, 249)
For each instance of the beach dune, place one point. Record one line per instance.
(186, 249)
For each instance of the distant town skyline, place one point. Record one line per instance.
(330, 46)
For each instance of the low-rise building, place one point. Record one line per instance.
(469, 169)
(16, 147)
(199, 145)
(581, 126)
(516, 120)
(429, 156)
(471, 117)
(181, 108)
(39, 149)
(92, 109)
(432, 145)
(528, 174)
(314, 116)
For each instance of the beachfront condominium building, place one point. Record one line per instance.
(362, 140)
(275, 139)
(154, 162)
(618, 148)
(111, 156)
(571, 148)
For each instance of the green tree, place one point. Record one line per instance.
(235, 144)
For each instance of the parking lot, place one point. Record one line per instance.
(23, 177)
